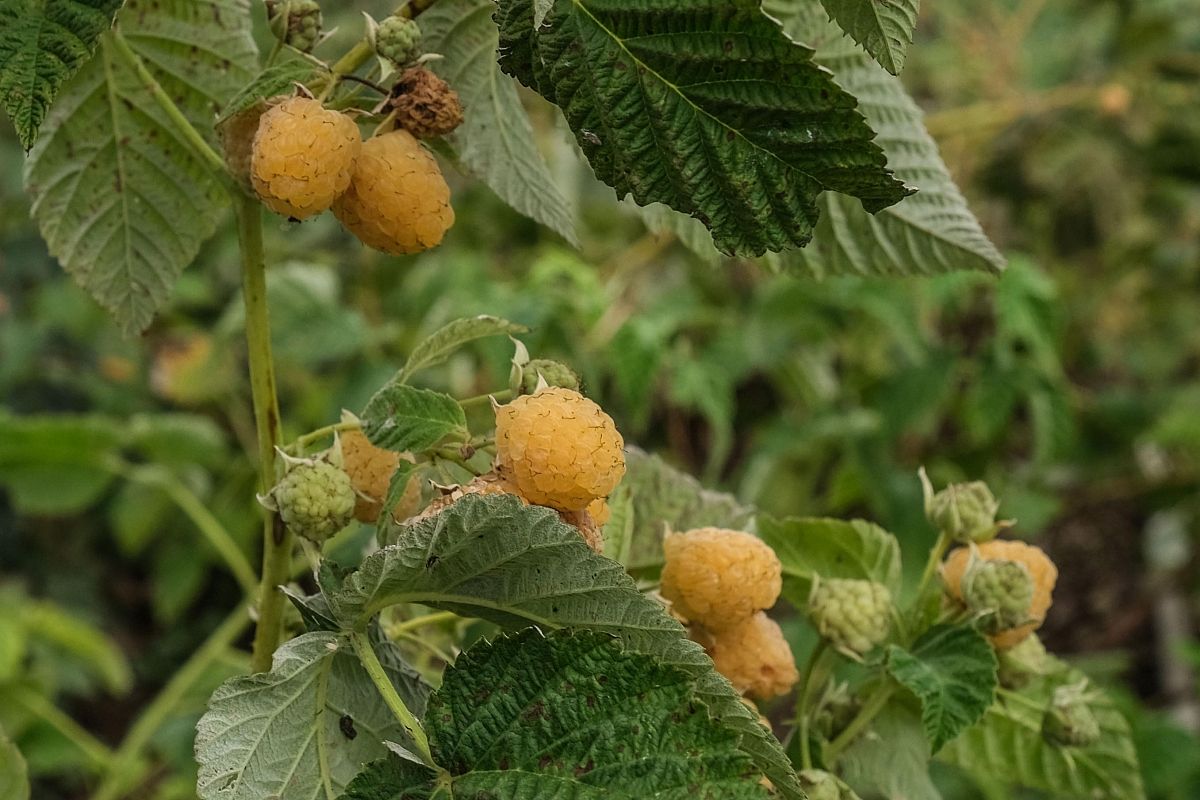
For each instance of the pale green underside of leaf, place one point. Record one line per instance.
(14, 775)
(42, 44)
(493, 558)
(1007, 746)
(445, 341)
(284, 733)
(830, 548)
(496, 142)
(883, 27)
(892, 761)
(952, 671)
(120, 197)
(703, 106)
(930, 232)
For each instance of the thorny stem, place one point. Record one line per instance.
(277, 539)
(803, 700)
(370, 661)
(118, 776)
(857, 725)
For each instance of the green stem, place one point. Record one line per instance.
(277, 539)
(931, 567)
(803, 700)
(484, 399)
(370, 661)
(420, 622)
(122, 770)
(182, 123)
(209, 526)
(38, 705)
(857, 725)
(298, 446)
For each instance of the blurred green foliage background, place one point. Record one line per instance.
(1071, 383)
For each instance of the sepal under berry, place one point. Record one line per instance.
(965, 512)
(854, 616)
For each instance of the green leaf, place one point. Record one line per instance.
(831, 548)
(515, 565)
(883, 27)
(121, 198)
(495, 143)
(285, 733)
(572, 714)
(952, 671)
(892, 761)
(664, 496)
(274, 80)
(14, 776)
(87, 644)
(56, 464)
(706, 107)
(42, 44)
(1007, 745)
(391, 778)
(930, 232)
(404, 418)
(445, 341)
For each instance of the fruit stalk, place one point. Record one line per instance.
(370, 662)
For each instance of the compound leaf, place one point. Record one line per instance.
(515, 565)
(302, 730)
(706, 107)
(42, 44)
(830, 548)
(120, 196)
(952, 671)
(495, 143)
(883, 27)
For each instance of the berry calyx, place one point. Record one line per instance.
(1041, 570)
(965, 512)
(852, 615)
(753, 655)
(719, 577)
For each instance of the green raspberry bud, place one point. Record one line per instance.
(966, 512)
(1000, 591)
(1070, 721)
(296, 22)
(541, 371)
(852, 615)
(1019, 665)
(398, 40)
(820, 785)
(314, 499)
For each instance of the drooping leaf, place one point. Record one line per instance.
(883, 27)
(662, 495)
(831, 548)
(495, 143)
(570, 714)
(405, 418)
(706, 107)
(42, 44)
(14, 776)
(952, 671)
(302, 730)
(1007, 745)
(443, 342)
(514, 565)
(120, 196)
(891, 761)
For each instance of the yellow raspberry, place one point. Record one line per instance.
(398, 201)
(559, 448)
(599, 511)
(303, 157)
(719, 577)
(753, 655)
(370, 469)
(1041, 570)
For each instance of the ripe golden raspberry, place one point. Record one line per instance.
(719, 577)
(753, 655)
(559, 448)
(398, 201)
(370, 469)
(303, 157)
(1041, 570)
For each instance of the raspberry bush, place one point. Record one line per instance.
(593, 620)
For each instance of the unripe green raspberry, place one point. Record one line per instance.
(398, 40)
(296, 22)
(1000, 591)
(821, 785)
(1070, 721)
(852, 615)
(1019, 665)
(314, 499)
(553, 373)
(966, 512)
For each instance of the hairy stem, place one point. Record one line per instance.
(866, 714)
(122, 771)
(277, 539)
(802, 703)
(370, 662)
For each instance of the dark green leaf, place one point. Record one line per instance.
(883, 27)
(391, 778)
(952, 671)
(706, 107)
(404, 418)
(42, 44)
(831, 548)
